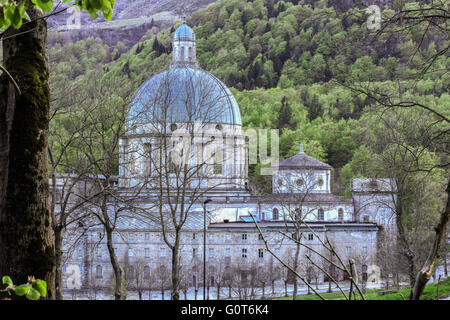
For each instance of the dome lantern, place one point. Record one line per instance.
(184, 52)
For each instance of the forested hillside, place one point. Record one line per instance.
(289, 64)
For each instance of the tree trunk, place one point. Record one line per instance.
(115, 265)
(403, 242)
(176, 268)
(58, 257)
(218, 292)
(425, 273)
(26, 237)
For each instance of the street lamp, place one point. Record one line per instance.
(204, 246)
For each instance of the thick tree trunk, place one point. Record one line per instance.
(425, 273)
(26, 237)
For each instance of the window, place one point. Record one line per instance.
(193, 236)
(280, 181)
(364, 273)
(162, 252)
(99, 252)
(260, 253)
(130, 237)
(310, 236)
(364, 250)
(194, 253)
(348, 250)
(172, 168)
(147, 252)
(366, 218)
(146, 272)
(147, 236)
(147, 159)
(217, 168)
(211, 253)
(341, 214)
(321, 215)
(320, 182)
(99, 272)
(227, 252)
(260, 236)
(299, 182)
(244, 236)
(275, 214)
(130, 252)
(244, 253)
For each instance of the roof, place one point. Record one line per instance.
(315, 225)
(302, 160)
(184, 33)
(130, 221)
(183, 94)
(304, 198)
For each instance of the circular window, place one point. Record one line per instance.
(299, 182)
(320, 182)
(280, 182)
(219, 127)
(173, 127)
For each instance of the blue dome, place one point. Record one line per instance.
(184, 95)
(184, 33)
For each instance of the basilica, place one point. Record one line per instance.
(185, 156)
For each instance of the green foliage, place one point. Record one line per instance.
(13, 12)
(34, 289)
(281, 72)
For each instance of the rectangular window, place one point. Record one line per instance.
(260, 237)
(244, 253)
(147, 159)
(194, 252)
(211, 253)
(260, 253)
(193, 236)
(147, 236)
(310, 236)
(227, 252)
(147, 252)
(364, 250)
(99, 252)
(348, 250)
(244, 236)
(162, 252)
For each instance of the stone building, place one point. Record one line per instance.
(185, 100)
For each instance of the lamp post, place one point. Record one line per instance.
(204, 246)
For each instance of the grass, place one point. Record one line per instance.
(372, 294)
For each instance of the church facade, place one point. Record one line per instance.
(185, 147)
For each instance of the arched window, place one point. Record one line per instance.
(99, 272)
(182, 53)
(275, 214)
(146, 272)
(341, 214)
(190, 57)
(321, 215)
(364, 273)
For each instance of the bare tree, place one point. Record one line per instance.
(430, 21)
(184, 156)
